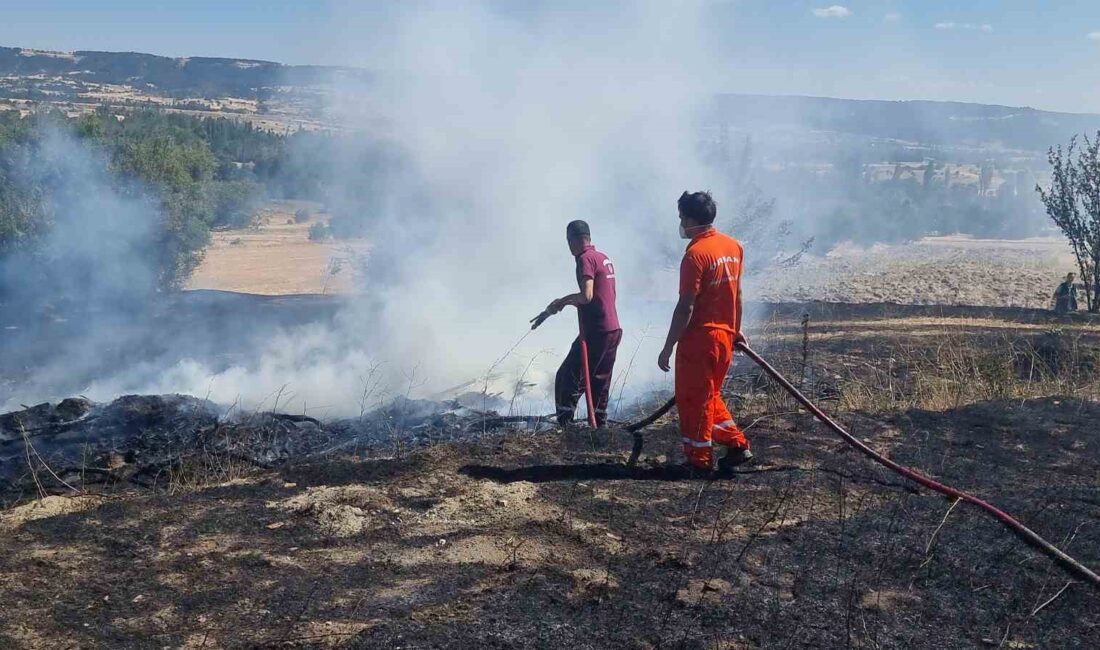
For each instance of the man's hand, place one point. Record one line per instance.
(740, 338)
(664, 357)
(555, 306)
(539, 320)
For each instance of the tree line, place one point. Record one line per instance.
(198, 174)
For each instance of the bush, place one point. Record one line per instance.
(234, 203)
(301, 215)
(319, 232)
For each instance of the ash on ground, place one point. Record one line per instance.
(137, 438)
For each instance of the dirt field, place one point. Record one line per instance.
(933, 271)
(544, 540)
(276, 257)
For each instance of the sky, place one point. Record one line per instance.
(1013, 52)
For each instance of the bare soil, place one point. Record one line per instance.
(546, 540)
(276, 257)
(952, 270)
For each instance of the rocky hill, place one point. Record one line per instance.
(252, 86)
(916, 122)
(175, 77)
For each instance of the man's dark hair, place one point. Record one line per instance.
(698, 206)
(577, 229)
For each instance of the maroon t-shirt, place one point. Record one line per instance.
(599, 315)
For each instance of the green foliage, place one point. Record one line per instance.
(185, 234)
(201, 173)
(23, 213)
(164, 161)
(195, 173)
(234, 203)
(91, 126)
(1073, 203)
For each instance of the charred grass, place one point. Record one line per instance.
(811, 548)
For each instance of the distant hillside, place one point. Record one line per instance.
(193, 76)
(131, 78)
(923, 122)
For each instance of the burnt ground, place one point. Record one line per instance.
(542, 540)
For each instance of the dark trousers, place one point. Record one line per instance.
(569, 383)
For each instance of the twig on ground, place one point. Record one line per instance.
(752, 538)
(698, 498)
(932, 539)
(32, 468)
(305, 607)
(1052, 598)
(768, 416)
(29, 448)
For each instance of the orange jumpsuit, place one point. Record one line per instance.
(711, 271)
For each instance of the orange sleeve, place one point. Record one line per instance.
(691, 276)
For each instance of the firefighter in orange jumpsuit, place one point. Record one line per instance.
(705, 326)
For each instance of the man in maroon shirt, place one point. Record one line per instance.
(599, 325)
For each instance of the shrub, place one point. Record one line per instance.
(234, 203)
(319, 232)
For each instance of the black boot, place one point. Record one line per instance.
(734, 457)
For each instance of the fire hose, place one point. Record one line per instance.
(586, 372)
(1028, 536)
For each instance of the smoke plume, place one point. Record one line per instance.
(499, 126)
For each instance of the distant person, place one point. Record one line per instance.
(705, 326)
(1065, 296)
(599, 324)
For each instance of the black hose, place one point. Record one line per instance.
(643, 423)
(635, 428)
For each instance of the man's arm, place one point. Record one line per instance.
(739, 337)
(582, 297)
(681, 316)
(691, 279)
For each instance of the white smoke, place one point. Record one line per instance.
(95, 260)
(97, 250)
(517, 122)
(510, 123)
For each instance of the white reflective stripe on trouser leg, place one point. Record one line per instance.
(724, 426)
(696, 443)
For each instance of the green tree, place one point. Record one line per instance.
(90, 127)
(160, 160)
(1073, 203)
(233, 203)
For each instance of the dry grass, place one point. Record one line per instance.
(276, 257)
(964, 369)
(884, 366)
(934, 271)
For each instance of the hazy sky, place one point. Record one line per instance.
(1016, 52)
